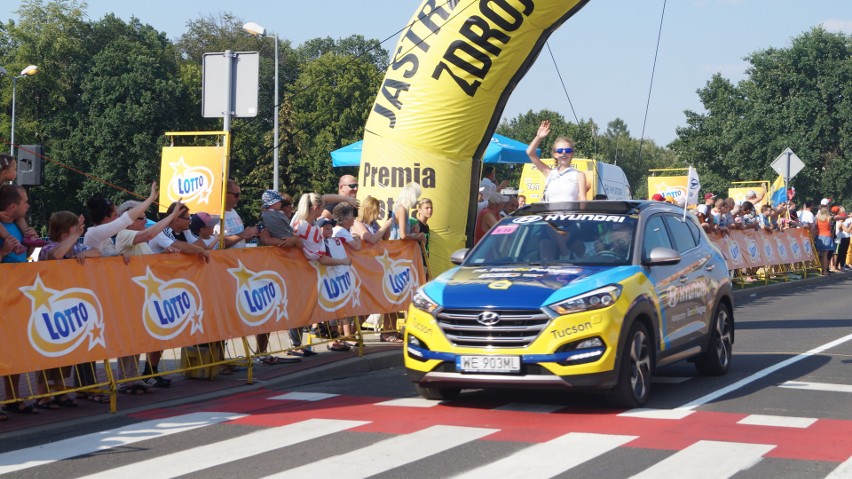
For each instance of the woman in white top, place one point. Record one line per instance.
(108, 222)
(563, 183)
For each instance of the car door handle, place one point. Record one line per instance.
(683, 279)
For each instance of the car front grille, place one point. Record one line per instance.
(513, 329)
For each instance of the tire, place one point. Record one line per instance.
(716, 360)
(439, 394)
(634, 373)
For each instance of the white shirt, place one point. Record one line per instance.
(233, 226)
(191, 239)
(100, 237)
(805, 216)
(489, 186)
(124, 242)
(562, 186)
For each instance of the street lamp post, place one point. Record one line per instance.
(30, 70)
(255, 29)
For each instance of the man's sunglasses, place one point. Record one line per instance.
(353, 186)
(563, 150)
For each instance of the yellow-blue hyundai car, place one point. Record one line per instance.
(585, 295)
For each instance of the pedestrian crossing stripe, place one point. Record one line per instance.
(110, 439)
(415, 435)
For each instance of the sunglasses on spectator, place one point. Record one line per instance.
(284, 205)
(353, 186)
(236, 195)
(563, 150)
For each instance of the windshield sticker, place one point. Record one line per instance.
(581, 217)
(504, 230)
(506, 272)
(526, 219)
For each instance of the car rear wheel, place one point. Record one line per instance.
(437, 393)
(716, 360)
(634, 374)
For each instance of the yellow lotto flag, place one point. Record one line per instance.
(453, 69)
(194, 175)
(671, 187)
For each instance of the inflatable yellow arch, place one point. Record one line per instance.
(452, 72)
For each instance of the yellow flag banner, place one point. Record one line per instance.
(671, 187)
(452, 72)
(58, 313)
(194, 175)
(756, 249)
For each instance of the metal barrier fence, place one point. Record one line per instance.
(102, 381)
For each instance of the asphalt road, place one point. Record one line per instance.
(784, 410)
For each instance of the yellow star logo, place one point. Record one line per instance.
(149, 282)
(39, 294)
(242, 274)
(385, 261)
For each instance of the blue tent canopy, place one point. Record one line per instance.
(501, 150)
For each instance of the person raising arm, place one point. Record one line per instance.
(563, 182)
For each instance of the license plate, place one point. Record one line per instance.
(488, 364)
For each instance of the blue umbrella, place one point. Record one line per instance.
(500, 150)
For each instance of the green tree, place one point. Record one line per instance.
(798, 97)
(331, 101)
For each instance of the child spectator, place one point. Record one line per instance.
(367, 225)
(14, 205)
(200, 232)
(64, 229)
(335, 250)
(8, 174)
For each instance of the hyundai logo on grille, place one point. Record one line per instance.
(488, 318)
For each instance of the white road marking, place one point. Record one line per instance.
(843, 471)
(836, 388)
(410, 402)
(707, 459)
(537, 408)
(223, 452)
(110, 439)
(777, 421)
(550, 458)
(763, 373)
(390, 453)
(657, 413)
(303, 396)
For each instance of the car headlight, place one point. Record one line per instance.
(423, 302)
(597, 299)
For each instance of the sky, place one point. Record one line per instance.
(604, 53)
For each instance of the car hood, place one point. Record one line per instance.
(513, 287)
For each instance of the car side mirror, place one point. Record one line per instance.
(660, 256)
(458, 256)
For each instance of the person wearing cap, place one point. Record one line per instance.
(276, 221)
(709, 200)
(489, 216)
(658, 197)
(201, 226)
(563, 182)
(755, 197)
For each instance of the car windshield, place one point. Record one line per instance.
(557, 238)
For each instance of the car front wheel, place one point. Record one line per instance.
(437, 393)
(634, 374)
(716, 360)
